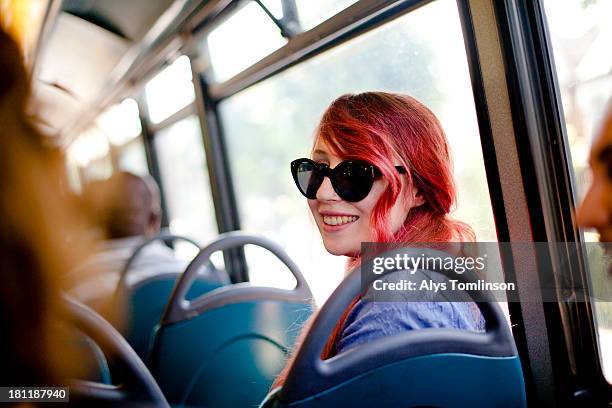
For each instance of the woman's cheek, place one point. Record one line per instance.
(365, 233)
(312, 205)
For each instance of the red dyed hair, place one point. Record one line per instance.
(386, 130)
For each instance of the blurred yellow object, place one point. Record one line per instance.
(23, 20)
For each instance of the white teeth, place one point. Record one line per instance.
(333, 220)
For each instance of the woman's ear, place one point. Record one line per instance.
(417, 198)
(414, 197)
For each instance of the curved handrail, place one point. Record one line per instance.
(166, 238)
(179, 308)
(116, 348)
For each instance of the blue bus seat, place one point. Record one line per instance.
(145, 299)
(144, 304)
(437, 367)
(229, 355)
(225, 348)
(438, 380)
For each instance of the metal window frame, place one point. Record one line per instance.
(351, 22)
(224, 199)
(545, 159)
(152, 159)
(288, 25)
(177, 116)
(501, 165)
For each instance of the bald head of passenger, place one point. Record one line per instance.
(125, 205)
(596, 208)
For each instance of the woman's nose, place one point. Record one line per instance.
(326, 191)
(593, 211)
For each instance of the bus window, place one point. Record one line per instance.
(249, 34)
(121, 122)
(131, 157)
(170, 90)
(272, 123)
(178, 146)
(90, 155)
(185, 180)
(581, 36)
(113, 142)
(312, 13)
(121, 125)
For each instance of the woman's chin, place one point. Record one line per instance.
(340, 249)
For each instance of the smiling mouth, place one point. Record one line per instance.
(334, 220)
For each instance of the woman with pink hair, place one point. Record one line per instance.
(381, 171)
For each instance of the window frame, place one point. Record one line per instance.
(150, 130)
(351, 22)
(545, 158)
(222, 188)
(148, 135)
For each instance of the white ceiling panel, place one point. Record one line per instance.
(80, 56)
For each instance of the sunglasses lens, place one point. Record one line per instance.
(307, 178)
(353, 181)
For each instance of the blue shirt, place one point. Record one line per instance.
(368, 321)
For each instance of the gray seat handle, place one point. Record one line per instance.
(118, 350)
(179, 308)
(309, 374)
(163, 237)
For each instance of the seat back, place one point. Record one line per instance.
(225, 348)
(419, 368)
(144, 303)
(145, 300)
(437, 380)
(229, 355)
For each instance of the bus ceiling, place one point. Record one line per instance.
(85, 56)
(83, 49)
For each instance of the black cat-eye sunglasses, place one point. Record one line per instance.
(352, 180)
